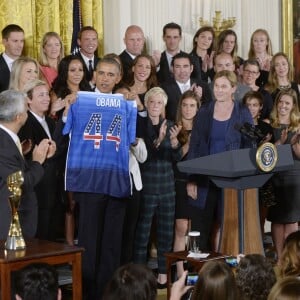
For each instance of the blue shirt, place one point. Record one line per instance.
(217, 136)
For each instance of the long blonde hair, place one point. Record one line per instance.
(294, 116)
(273, 79)
(251, 53)
(14, 81)
(43, 60)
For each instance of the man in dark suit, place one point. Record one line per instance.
(182, 68)
(172, 34)
(38, 127)
(134, 40)
(13, 115)
(13, 41)
(88, 42)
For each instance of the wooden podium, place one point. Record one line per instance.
(237, 173)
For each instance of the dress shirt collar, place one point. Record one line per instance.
(43, 122)
(131, 55)
(98, 91)
(10, 133)
(184, 86)
(87, 59)
(9, 61)
(39, 118)
(170, 57)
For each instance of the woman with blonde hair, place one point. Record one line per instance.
(261, 50)
(281, 76)
(285, 120)
(51, 53)
(286, 289)
(24, 70)
(214, 132)
(158, 194)
(290, 259)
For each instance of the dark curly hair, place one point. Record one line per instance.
(255, 277)
(60, 86)
(37, 281)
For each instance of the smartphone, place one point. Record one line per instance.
(191, 279)
(232, 261)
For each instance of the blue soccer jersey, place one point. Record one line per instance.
(101, 127)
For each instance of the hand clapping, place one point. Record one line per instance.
(44, 150)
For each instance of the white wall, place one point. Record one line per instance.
(152, 15)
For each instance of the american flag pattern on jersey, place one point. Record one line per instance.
(101, 129)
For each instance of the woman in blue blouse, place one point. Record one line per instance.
(214, 132)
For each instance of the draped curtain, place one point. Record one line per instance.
(37, 17)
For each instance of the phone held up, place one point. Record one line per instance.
(191, 279)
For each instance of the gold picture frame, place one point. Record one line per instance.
(291, 33)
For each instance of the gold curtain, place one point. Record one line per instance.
(37, 17)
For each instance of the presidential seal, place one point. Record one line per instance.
(266, 157)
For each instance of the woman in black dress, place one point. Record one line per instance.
(188, 106)
(285, 120)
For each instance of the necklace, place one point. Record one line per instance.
(284, 87)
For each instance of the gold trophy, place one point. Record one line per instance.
(15, 240)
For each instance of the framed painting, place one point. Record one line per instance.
(291, 33)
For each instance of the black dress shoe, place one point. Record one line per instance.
(161, 286)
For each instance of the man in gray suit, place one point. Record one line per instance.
(13, 115)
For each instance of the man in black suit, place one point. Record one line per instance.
(134, 40)
(172, 34)
(88, 42)
(13, 115)
(13, 41)
(38, 127)
(182, 69)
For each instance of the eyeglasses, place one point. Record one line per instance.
(250, 72)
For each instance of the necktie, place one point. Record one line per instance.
(91, 67)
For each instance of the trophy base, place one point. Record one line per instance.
(15, 243)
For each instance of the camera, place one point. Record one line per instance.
(191, 279)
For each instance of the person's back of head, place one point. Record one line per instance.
(132, 281)
(255, 277)
(216, 282)
(290, 259)
(287, 288)
(37, 281)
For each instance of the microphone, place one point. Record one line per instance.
(246, 130)
(251, 131)
(256, 131)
